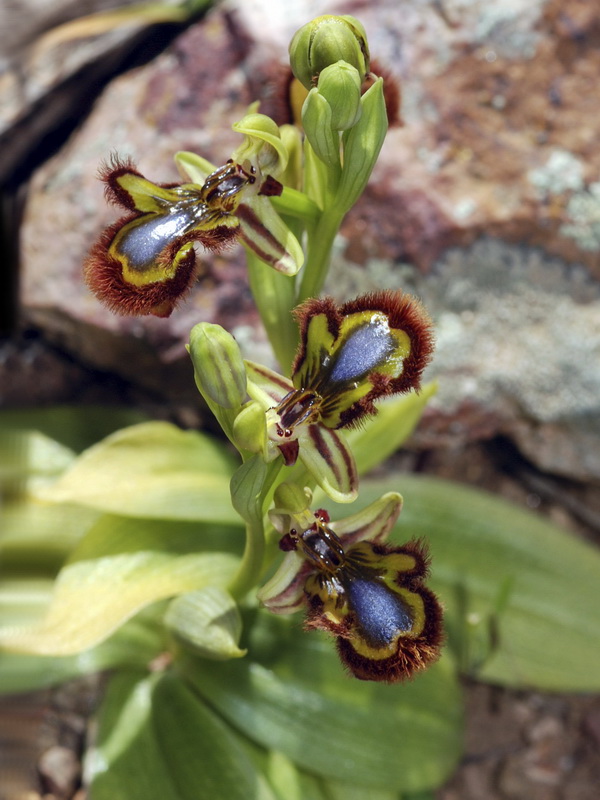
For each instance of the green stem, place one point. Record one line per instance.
(274, 296)
(320, 184)
(251, 566)
(320, 243)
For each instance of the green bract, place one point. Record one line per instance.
(218, 365)
(318, 126)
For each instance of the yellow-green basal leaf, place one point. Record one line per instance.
(121, 566)
(154, 471)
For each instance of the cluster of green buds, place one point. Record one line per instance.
(330, 58)
(337, 360)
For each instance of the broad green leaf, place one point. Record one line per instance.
(74, 427)
(383, 434)
(291, 783)
(36, 537)
(204, 755)
(125, 761)
(157, 741)
(23, 599)
(291, 694)
(420, 796)
(155, 471)
(338, 790)
(136, 644)
(527, 589)
(28, 459)
(120, 566)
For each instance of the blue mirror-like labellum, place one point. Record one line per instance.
(373, 598)
(146, 238)
(365, 348)
(351, 355)
(380, 613)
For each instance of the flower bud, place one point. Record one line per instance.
(262, 145)
(249, 431)
(218, 365)
(340, 85)
(318, 127)
(292, 498)
(327, 40)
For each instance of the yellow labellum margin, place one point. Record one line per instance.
(147, 246)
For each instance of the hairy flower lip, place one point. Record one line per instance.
(367, 593)
(374, 522)
(348, 357)
(145, 262)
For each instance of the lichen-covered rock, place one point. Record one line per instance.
(518, 349)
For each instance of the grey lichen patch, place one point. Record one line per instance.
(509, 28)
(519, 326)
(563, 172)
(583, 210)
(518, 336)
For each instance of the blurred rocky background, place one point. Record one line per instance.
(486, 203)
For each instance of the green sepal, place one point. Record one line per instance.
(362, 144)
